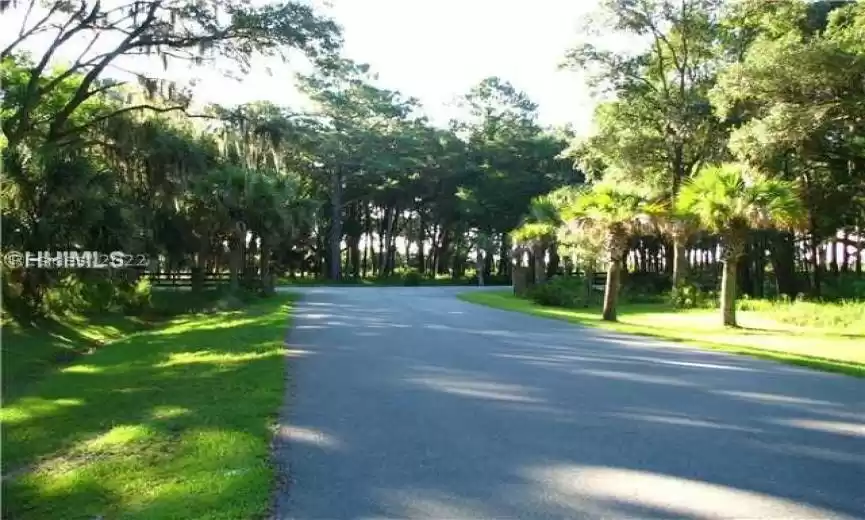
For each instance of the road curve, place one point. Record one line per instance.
(408, 403)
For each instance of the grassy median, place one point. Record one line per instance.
(168, 423)
(840, 350)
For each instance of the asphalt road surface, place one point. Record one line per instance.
(408, 403)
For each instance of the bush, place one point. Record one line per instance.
(560, 291)
(138, 296)
(845, 286)
(691, 296)
(412, 278)
(645, 287)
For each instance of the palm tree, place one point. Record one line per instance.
(730, 201)
(612, 213)
(537, 232)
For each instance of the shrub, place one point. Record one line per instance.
(691, 296)
(138, 296)
(412, 278)
(844, 286)
(560, 291)
(645, 287)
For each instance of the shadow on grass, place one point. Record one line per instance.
(164, 423)
(29, 353)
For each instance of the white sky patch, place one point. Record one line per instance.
(434, 50)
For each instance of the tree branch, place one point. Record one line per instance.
(81, 93)
(124, 110)
(24, 34)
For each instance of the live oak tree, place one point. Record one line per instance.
(798, 90)
(169, 30)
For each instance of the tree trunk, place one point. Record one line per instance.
(354, 255)
(367, 249)
(743, 275)
(250, 270)
(267, 285)
(504, 256)
(728, 292)
(479, 266)
(611, 290)
(816, 263)
(844, 257)
(336, 226)
(384, 242)
(540, 273)
(553, 266)
(421, 257)
(236, 261)
(443, 254)
(391, 248)
(680, 262)
(518, 273)
(781, 246)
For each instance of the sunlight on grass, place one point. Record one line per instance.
(81, 369)
(118, 436)
(167, 412)
(174, 423)
(760, 335)
(33, 407)
(212, 358)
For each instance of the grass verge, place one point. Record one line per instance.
(823, 350)
(167, 423)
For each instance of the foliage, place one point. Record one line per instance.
(729, 200)
(561, 291)
(691, 296)
(412, 278)
(845, 315)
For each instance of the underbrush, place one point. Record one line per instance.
(847, 316)
(563, 291)
(571, 292)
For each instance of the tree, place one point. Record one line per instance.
(660, 129)
(799, 96)
(730, 201)
(612, 213)
(170, 30)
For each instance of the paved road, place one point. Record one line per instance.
(408, 403)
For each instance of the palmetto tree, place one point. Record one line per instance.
(612, 213)
(730, 201)
(537, 232)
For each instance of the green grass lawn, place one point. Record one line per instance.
(837, 350)
(30, 353)
(173, 422)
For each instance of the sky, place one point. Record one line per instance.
(433, 50)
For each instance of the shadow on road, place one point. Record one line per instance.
(411, 404)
